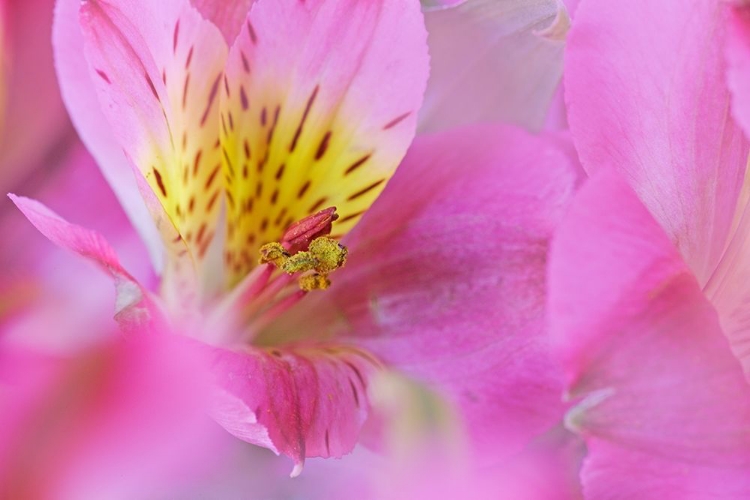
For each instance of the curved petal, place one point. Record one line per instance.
(80, 98)
(446, 278)
(491, 61)
(320, 107)
(661, 401)
(157, 70)
(301, 401)
(228, 15)
(646, 96)
(133, 305)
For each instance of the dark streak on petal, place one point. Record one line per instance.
(151, 85)
(211, 98)
(354, 166)
(366, 190)
(243, 98)
(303, 189)
(251, 32)
(211, 177)
(197, 161)
(212, 201)
(323, 147)
(350, 217)
(280, 171)
(175, 36)
(103, 76)
(396, 121)
(274, 196)
(189, 56)
(308, 106)
(245, 64)
(160, 182)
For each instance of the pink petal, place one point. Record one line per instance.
(488, 63)
(309, 118)
(133, 305)
(301, 401)
(646, 94)
(738, 62)
(446, 278)
(662, 402)
(117, 420)
(33, 122)
(157, 75)
(227, 15)
(79, 95)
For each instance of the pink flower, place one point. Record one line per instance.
(648, 271)
(314, 105)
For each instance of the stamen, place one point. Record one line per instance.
(305, 253)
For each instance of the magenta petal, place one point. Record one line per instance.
(133, 304)
(446, 277)
(646, 93)
(662, 402)
(299, 401)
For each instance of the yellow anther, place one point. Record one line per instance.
(323, 257)
(314, 282)
(273, 253)
(328, 254)
(300, 262)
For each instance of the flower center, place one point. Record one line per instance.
(305, 254)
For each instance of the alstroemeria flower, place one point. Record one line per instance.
(648, 272)
(242, 153)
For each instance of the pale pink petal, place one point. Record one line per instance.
(133, 305)
(446, 278)
(646, 94)
(79, 95)
(738, 63)
(227, 15)
(33, 122)
(157, 70)
(300, 401)
(661, 401)
(492, 61)
(320, 107)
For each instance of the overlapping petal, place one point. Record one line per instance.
(649, 99)
(493, 61)
(446, 278)
(661, 401)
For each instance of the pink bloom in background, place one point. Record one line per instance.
(233, 132)
(115, 420)
(648, 271)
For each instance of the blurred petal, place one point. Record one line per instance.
(649, 100)
(79, 95)
(33, 122)
(117, 420)
(298, 401)
(492, 60)
(662, 403)
(309, 121)
(446, 278)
